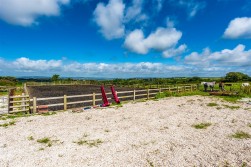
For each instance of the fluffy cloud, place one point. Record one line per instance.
(239, 28)
(25, 12)
(236, 57)
(172, 52)
(160, 40)
(27, 65)
(110, 18)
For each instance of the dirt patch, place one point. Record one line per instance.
(152, 133)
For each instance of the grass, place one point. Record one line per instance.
(201, 125)
(47, 141)
(241, 135)
(90, 143)
(44, 140)
(150, 163)
(249, 125)
(231, 107)
(13, 116)
(49, 113)
(5, 125)
(30, 138)
(212, 104)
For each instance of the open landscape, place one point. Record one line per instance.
(174, 131)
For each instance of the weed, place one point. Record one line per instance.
(244, 164)
(44, 140)
(107, 130)
(233, 121)
(231, 107)
(218, 108)
(30, 138)
(49, 113)
(202, 125)
(150, 163)
(5, 125)
(241, 135)
(212, 104)
(249, 125)
(41, 149)
(90, 143)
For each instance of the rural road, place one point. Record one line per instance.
(3, 104)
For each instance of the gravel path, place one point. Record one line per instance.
(3, 104)
(151, 133)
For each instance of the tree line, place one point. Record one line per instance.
(229, 77)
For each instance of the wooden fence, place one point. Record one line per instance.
(24, 104)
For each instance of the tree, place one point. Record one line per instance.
(55, 77)
(236, 76)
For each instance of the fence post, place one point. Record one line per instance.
(147, 94)
(93, 99)
(191, 88)
(34, 104)
(8, 102)
(23, 102)
(159, 90)
(134, 95)
(65, 102)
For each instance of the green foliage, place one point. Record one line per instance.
(231, 107)
(202, 125)
(55, 77)
(44, 140)
(212, 104)
(90, 143)
(7, 81)
(236, 76)
(8, 124)
(241, 135)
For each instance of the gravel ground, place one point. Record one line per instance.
(151, 133)
(3, 104)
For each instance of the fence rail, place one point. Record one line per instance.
(24, 104)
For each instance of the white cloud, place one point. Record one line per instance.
(192, 6)
(172, 52)
(239, 28)
(110, 18)
(25, 64)
(25, 12)
(236, 57)
(134, 12)
(160, 40)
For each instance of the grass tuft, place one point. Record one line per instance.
(241, 135)
(212, 104)
(202, 125)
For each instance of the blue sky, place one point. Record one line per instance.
(125, 38)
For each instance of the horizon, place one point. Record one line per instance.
(125, 38)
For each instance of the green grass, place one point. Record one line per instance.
(5, 125)
(150, 163)
(241, 135)
(90, 143)
(49, 113)
(201, 125)
(13, 116)
(47, 141)
(44, 140)
(231, 107)
(212, 104)
(30, 138)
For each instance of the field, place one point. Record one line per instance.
(174, 131)
(61, 90)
